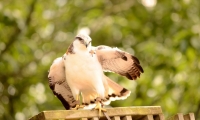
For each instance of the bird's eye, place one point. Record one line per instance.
(79, 38)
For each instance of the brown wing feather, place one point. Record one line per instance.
(58, 84)
(115, 60)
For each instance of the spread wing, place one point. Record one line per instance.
(115, 60)
(58, 84)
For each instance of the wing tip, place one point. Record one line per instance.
(129, 76)
(136, 69)
(63, 101)
(135, 59)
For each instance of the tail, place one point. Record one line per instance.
(115, 92)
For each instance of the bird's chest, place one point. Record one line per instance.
(79, 62)
(82, 66)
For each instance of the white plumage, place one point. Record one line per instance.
(83, 67)
(84, 74)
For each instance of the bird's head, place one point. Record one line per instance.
(82, 42)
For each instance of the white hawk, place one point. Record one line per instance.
(80, 72)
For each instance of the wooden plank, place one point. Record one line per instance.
(115, 118)
(159, 117)
(137, 117)
(95, 118)
(84, 119)
(39, 116)
(147, 117)
(189, 116)
(128, 117)
(77, 114)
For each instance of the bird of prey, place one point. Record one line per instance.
(78, 80)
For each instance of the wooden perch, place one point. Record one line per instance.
(118, 113)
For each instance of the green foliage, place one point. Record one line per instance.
(165, 38)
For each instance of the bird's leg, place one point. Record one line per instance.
(78, 105)
(99, 106)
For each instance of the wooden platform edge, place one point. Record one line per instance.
(117, 111)
(180, 116)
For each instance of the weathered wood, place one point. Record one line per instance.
(115, 118)
(180, 116)
(120, 113)
(189, 116)
(159, 117)
(95, 118)
(84, 118)
(148, 117)
(134, 112)
(128, 117)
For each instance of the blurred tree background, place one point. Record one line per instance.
(164, 35)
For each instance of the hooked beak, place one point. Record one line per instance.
(87, 44)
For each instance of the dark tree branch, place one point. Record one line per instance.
(32, 8)
(12, 39)
(17, 30)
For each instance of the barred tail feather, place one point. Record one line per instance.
(115, 92)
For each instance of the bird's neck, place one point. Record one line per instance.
(81, 49)
(70, 49)
(78, 49)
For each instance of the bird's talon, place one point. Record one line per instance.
(103, 110)
(78, 107)
(81, 106)
(99, 107)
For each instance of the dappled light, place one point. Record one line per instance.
(163, 34)
(149, 3)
